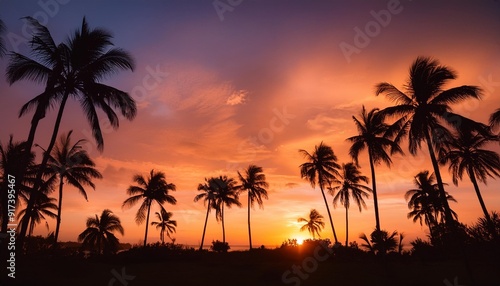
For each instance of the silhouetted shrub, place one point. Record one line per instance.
(219, 246)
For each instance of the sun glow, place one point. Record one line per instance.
(300, 240)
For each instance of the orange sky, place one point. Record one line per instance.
(214, 112)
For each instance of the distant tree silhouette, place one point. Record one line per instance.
(381, 242)
(226, 194)
(73, 69)
(314, 224)
(208, 196)
(165, 224)
(349, 186)
(321, 168)
(373, 135)
(466, 153)
(153, 189)
(425, 104)
(71, 164)
(100, 233)
(425, 203)
(254, 183)
(481, 230)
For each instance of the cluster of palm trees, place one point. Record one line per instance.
(73, 69)
(421, 115)
(218, 192)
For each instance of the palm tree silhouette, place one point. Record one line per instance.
(349, 186)
(381, 241)
(165, 224)
(254, 183)
(425, 202)
(425, 104)
(314, 224)
(208, 195)
(495, 118)
(373, 135)
(465, 153)
(44, 206)
(226, 194)
(71, 163)
(321, 168)
(154, 189)
(100, 233)
(13, 162)
(73, 69)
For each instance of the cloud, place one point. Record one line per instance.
(238, 97)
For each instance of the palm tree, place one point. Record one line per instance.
(254, 182)
(349, 186)
(466, 153)
(226, 194)
(321, 168)
(44, 206)
(208, 195)
(165, 224)
(12, 165)
(381, 241)
(100, 233)
(495, 118)
(425, 104)
(373, 135)
(2, 44)
(154, 189)
(73, 69)
(425, 203)
(71, 164)
(314, 224)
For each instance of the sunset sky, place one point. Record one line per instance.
(219, 90)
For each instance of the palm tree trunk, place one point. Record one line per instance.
(374, 188)
(249, 231)
(147, 224)
(58, 221)
(38, 180)
(447, 212)
(223, 228)
(205, 227)
(481, 202)
(346, 226)
(329, 215)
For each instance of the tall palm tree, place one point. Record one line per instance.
(44, 206)
(373, 135)
(420, 111)
(466, 153)
(425, 203)
(71, 164)
(100, 233)
(321, 168)
(208, 196)
(254, 183)
(226, 194)
(314, 224)
(73, 69)
(153, 189)
(165, 224)
(349, 186)
(2, 44)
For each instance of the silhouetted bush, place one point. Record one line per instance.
(219, 246)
